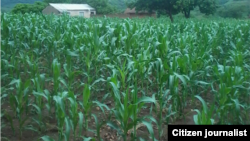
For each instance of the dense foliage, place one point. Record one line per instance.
(10, 2)
(187, 6)
(55, 70)
(172, 7)
(224, 8)
(102, 6)
(7, 5)
(207, 6)
(121, 5)
(37, 7)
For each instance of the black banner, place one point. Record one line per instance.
(207, 132)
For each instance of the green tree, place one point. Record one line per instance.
(119, 4)
(102, 6)
(207, 7)
(20, 8)
(186, 6)
(169, 7)
(37, 7)
(172, 7)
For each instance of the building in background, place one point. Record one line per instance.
(83, 10)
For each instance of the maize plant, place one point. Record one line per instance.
(69, 78)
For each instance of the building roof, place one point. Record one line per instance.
(70, 7)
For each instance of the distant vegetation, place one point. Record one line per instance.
(235, 9)
(173, 7)
(224, 8)
(7, 5)
(11, 2)
(121, 5)
(37, 7)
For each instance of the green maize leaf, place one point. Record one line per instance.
(68, 128)
(101, 105)
(115, 127)
(58, 64)
(70, 53)
(237, 105)
(97, 81)
(81, 119)
(196, 120)
(31, 128)
(86, 95)
(201, 82)
(116, 91)
(147, 100)
(2, 53)
(15, 81)
(3, 76)
(37, 108)
(204, 105)
(141, 139)
(150, 129)
(40, 94)
(183, 78)
(3, 96)
(60, 103)
(88, 139)
(23, 121)
(62, 81)
(47, 138)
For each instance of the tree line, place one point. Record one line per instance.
(224, 8)
(168, 7)
(172, 7)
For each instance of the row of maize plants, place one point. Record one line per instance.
(61, 67)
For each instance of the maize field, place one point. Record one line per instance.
(109, 79)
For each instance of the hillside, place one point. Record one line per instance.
(235, 9)
(7, 5)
